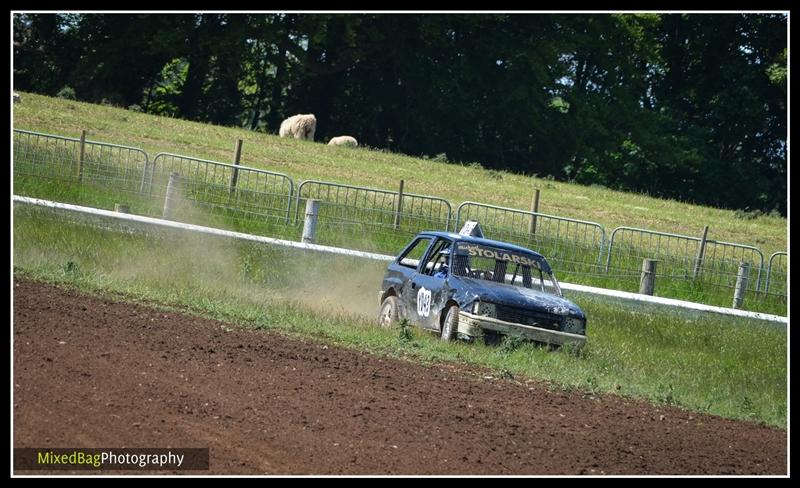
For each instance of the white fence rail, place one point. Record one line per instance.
(633, 297)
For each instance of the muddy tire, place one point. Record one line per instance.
(390, 312)
(450, 324)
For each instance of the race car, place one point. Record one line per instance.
(468, 287)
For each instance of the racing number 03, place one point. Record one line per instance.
(423, 302)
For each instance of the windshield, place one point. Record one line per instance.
(499, 265)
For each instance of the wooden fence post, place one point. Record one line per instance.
(171, 198)
(698, 263)
(237, 155)
(647, 284)
(81, 156)
(310, 223)
(534, 209)
(742, 278)
(399, 206)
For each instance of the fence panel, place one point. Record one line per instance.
(260, 202)
(721, 264)
(371, 219)
(257, 201)
(570, 245)
(104, 166)
(677, 257)
(776, 281)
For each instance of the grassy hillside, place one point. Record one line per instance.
(303, 160)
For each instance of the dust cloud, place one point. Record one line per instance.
(188, 264)
(330, 284)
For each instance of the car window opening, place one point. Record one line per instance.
(410, 258)
(505, 267)
(436, 265)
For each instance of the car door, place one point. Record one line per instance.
(403, 271)
(400, 271)
(427, 291)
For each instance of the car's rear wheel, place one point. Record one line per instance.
(450, 325)
(390, 312)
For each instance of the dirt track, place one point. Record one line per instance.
(92, 372)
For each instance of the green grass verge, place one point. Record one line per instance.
(731, 367)
(207, 205)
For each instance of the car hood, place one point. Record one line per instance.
(516, 296)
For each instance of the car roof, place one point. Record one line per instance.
(480, 240)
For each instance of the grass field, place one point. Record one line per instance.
(576, 263)
(731, 367)
(375, 168)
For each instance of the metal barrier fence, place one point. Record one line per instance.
(573, 245)
(105, 219)
(66, 159)
(779, 271)
(235, 191)
(678, 257)
(383, 219)
(375, 219)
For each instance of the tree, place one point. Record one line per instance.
(676, 105)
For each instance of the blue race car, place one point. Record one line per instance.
(469, 287)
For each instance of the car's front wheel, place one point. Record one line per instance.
(450, 325)
(390, 312)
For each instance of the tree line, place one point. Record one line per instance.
(684, 106)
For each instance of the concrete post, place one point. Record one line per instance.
(647, 284)
(310, 223)
(171, 199)
(741, 284)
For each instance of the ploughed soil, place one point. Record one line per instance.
(94, 372)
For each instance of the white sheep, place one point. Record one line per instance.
(343, 141)
(300, 126)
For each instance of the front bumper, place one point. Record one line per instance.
(474, 325)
